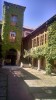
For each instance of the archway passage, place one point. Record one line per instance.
(11, 56)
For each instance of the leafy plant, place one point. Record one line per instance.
(7, 28)
(49, 52)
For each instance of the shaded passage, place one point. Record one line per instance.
(17, 89)
(3, 85)
(28, 76)
(44, 92)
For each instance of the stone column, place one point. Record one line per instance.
(32, 62)
(18, 58)
(39, 64)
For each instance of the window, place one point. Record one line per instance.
(37, 41)
(12, 36)
(14, 19)
(7, 7)
(34, 42)
(46, 38)
(41, 39)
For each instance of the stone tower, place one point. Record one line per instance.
(12, 32)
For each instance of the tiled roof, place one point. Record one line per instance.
(48, 22)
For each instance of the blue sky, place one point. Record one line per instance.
(36, 12)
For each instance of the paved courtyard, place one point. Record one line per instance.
(42, 86)
(30, 84)
(3, 85)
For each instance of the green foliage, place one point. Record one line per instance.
(27, 53)
(36, 52)
(48, 68)
(49, 52)
(52, 34)
(7, 28)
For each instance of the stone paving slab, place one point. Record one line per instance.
(17, 89)
(3, 85)
(40, 85)
(42, 88)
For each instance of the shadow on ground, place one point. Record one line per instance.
(28, 76)
(19, 90)
(3, 85)
(44, 92)
(39, 92)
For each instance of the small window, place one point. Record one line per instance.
(37, 41)
(46, 38)
(34, 42)
(12, 36)
(14, 19)
(7, 7)
(41, 39)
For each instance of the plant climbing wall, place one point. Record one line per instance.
(9, 10)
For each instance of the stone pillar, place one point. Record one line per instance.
(18, 58)
(39, 64)
(32, 62)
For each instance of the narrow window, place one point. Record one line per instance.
(12, 36)
(34, 42)
(37, 41)
(46, 38)
(14, 19)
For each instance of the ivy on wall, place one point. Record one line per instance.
(49, 52)
(52, 40)
(7, 28)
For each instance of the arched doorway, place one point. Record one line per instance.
(11, 56)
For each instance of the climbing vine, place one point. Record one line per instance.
(49, 52)
(7, 27)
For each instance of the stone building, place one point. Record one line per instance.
(15, 39)
(38, 42)
(11, 32)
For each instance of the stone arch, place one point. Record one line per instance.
(10, 57)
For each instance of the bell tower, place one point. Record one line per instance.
(12, 30)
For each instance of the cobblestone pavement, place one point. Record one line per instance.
(3, 85)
